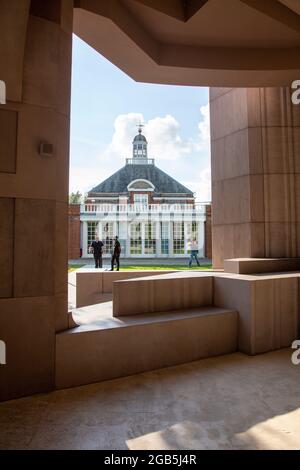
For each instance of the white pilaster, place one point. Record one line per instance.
(158, 238)
(171, 243)
(84, 239)
(201, 239)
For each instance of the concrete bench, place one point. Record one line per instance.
(117, 347)
(94, 286)
(162, 293)
(261, 265)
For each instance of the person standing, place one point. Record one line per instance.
(193, 246)
(116, 254)
(96, 248)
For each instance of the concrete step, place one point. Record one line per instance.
(94, 286)
(261, 265)
(173, 291)
(111, 347)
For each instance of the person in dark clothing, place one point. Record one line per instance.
(96, 248)
(116, 255)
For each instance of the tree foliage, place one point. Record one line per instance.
(75, 198)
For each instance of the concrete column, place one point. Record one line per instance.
(35, 62)
(143, 237)
(201, 239)
(255, 173)
(84, 239)
(171, 245)
(185, 234)
(158, 238)
(127, 239)
(100, 230)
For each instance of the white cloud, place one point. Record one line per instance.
(204, 129)
(201, 185)
(125, 129)
(163, 135)
(165, 143)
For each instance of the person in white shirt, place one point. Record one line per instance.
(193, 247)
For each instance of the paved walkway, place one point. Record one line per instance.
(229, 402)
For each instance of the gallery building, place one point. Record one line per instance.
(153, 215)
(232, 334)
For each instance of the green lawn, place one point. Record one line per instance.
(167, 267)
(155, 267)
(73, 267)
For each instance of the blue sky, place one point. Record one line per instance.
(106, 107)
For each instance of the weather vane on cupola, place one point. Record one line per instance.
(140, 127)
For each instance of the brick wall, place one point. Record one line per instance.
(74, 231)
(208, 233)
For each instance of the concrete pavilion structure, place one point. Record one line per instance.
(153, 215)
(247, 51)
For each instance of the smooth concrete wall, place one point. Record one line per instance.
(90, 356)
(268, 309)
(261, 265)
(93, 287)
(255, 139)
(161, 295)
(35, 62)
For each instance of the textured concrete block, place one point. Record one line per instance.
(61, 312)
(261, 265)
(233, 105)
(27, 327)
(133, 345)
(47, 65)
(158, 295)
(229, 292)
(275, 313)
(8, 140)
(93, 287)
(34, 248)
(267, 307)
(6, 246)
(13, 27)
(88, 288)
(61, 245)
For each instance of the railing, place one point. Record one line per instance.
(141, 208)
(140, 161)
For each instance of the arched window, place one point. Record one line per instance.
(140, 185)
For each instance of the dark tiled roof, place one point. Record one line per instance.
(163, 183)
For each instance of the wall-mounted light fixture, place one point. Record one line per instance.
(46, 149)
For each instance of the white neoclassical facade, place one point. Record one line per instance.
(153, 215)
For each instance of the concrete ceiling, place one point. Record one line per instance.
(196, 42)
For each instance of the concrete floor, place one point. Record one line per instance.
(230, 402)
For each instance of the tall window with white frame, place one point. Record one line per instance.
(150, 238)
(165, 237)
(108, 237)
(122, 234)
(178, 238)
(92, 231)
(192, 231)
(140, 199)
(135, 238)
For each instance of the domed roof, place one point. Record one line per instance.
(140, 138)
